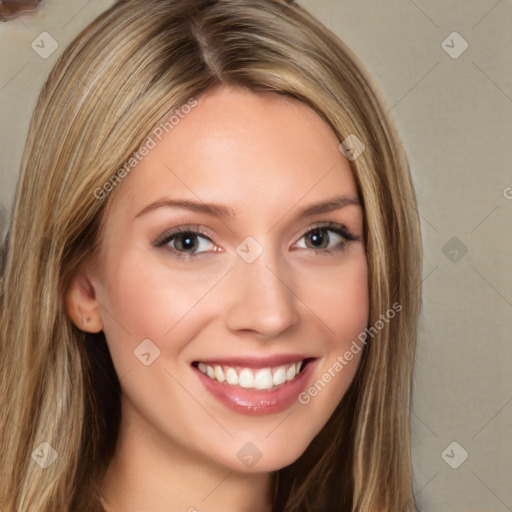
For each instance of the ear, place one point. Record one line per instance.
(81, 305)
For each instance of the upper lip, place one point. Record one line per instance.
(255, 361)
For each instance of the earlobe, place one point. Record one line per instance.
(81, 304)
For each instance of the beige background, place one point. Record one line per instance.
(454, 115)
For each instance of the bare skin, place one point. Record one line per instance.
(266, 158)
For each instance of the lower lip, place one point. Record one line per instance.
(254, 401)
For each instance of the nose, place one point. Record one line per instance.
(261, 299)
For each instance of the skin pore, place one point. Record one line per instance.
(198, 297)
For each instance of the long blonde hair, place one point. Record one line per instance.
(122, 76)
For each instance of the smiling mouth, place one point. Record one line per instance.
(267, 378)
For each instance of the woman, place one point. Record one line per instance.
(212, 278)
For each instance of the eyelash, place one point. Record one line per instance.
(339, 229)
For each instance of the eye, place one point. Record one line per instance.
(186, 242)
(326, 238)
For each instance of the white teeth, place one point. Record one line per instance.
(231, 377)
(290, 373)
(219, 373)
(246, 378)
(279, 376)
(264, 378)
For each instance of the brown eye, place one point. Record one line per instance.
(327, 238)
(186, 242)
(319, 239)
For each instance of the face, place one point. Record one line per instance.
(232, 258)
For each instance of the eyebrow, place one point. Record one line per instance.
(336, 203)
(221, 211)
(216, 210)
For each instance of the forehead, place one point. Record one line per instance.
(242, 148)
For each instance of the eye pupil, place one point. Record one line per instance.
(319, 238)
(186, 242)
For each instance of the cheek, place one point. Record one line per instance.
(344, 308)
(141, 300)
(340, 298)
(349, 308)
